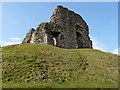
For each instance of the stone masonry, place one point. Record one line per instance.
(66, 29)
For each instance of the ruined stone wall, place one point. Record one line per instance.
(76, 29)
(28, 37)
(66, 29)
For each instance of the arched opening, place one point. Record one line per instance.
(55, 37)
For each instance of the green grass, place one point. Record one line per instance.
(46, 66)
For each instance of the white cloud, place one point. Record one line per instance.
(4, 43)
(11, 43)
(116, 51)
(97, 45)
(1, 41)
(14, 38)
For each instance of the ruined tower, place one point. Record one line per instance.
(66, 29)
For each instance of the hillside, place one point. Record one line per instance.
(46, 66)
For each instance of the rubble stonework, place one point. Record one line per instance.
(66, 29)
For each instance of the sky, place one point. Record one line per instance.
(102, 18)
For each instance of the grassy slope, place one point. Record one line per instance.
(42, 65)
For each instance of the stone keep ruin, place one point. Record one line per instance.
(66, 29)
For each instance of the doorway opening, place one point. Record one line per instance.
(55, 37)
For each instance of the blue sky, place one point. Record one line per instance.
(101, 17)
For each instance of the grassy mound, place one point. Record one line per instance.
(42, 65)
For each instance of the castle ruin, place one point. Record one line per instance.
(66, 29)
